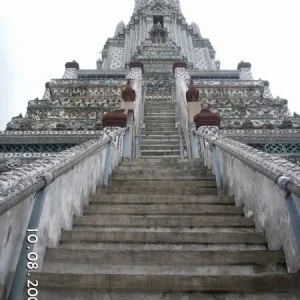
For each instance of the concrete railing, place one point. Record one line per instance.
(266, 186)
(139, 120)
(137, 85)
(181, 109)
(45, 195)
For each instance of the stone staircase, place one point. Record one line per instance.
(159, 231)
(160, 136)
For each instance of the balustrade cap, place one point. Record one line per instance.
(244, 65)
(117, 118)
(72, 65)
(137, 64)
(179, 64)
(207, 118)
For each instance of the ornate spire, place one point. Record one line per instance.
(174, 4)
(196, 29)
(120, 28)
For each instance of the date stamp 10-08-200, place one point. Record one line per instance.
(32, 286)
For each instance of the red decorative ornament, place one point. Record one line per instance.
(192, 95)
(207, 118)
(129, 93)
(115, 119)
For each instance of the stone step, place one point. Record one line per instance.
(158, 172)
(164, 183)
(157, 111)
(162, 199)
(161, 221)
(160, 126)
(161, 209)
(50, 294)
(177, 176)
(160, 130)
(152, 137)
(164, 167)
(167, 247)
(161, 229)
(160, 153)
(159, 117)
(155, 152)
(175, 169)
(150, 142)
(162, 114)
(164, 156)
(159, 161)
(162, 108)
(169, 283)
(160, 257)
(158, 100)
(160, 123)
(159, 104)
(163, 237)
(130, 270)
(162, 147)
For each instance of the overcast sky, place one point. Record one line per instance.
(37, 37)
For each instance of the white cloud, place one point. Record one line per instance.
(38, 37)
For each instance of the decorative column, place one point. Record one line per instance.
(47, 95)
(208, 124)
(193, 106)
(267, 91)
(137, 70)
(245, 68)
(180, 74)
(71, 68)
(129, 96)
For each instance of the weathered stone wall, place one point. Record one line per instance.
(261, 199)
(63, 198)
(12, 224)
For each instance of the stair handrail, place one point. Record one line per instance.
(140, 120)
(18, 184)
(138, 105)
(283, 173)
(181, 110)
(30, 182)
(258, 160)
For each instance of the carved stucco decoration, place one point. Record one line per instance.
(261, 135)
(81, 98)
(13, 163)
(271, 163)
(120, 28)
(13, 182)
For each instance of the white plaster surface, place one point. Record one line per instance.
(64, 198)
(261, 199)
